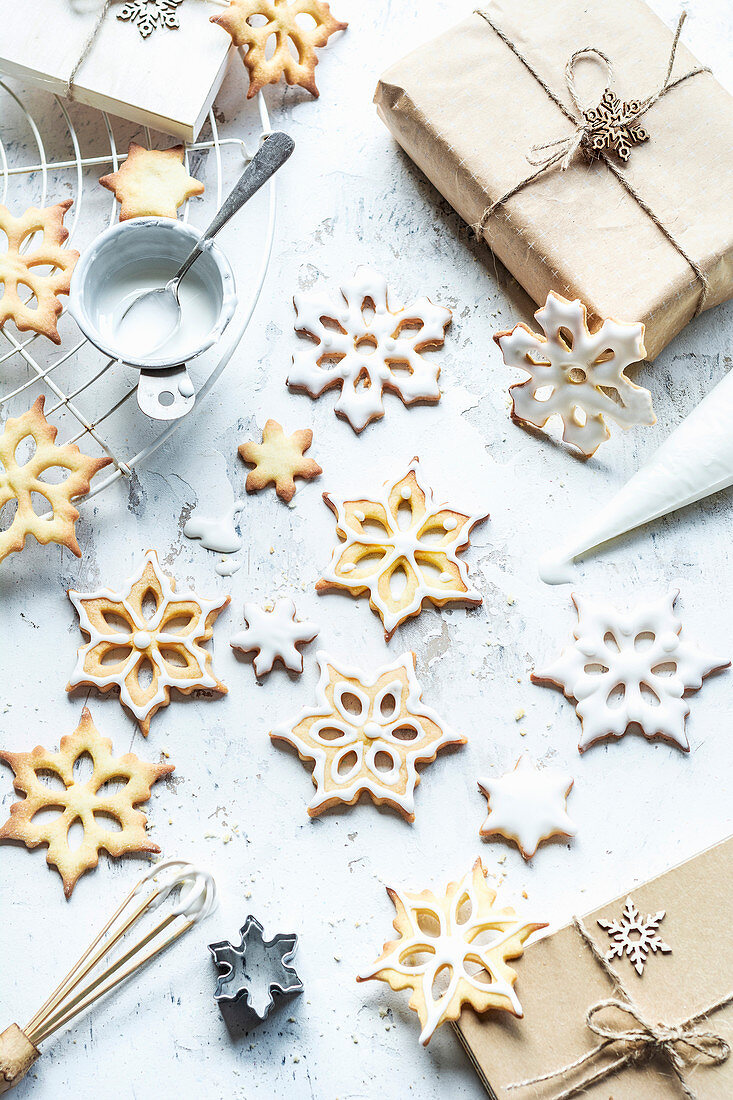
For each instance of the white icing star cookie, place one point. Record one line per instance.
(527, 805)
(627, 669)
(276, 634)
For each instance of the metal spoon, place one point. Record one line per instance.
(164, 300)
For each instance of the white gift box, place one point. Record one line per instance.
(167, 80)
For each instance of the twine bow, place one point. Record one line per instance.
(611, 125)
(680, 1044)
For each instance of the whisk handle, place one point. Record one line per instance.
(17, 1055)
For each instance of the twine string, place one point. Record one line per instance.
(678, 1043)
(561, 152)
(87, 47)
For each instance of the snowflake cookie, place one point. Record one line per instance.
(402, 549)
(438, 937)
(630, 669)
(49, 781)
(275, 634)
(20, 480)
(571, 371)
(363, 346)
(145, 640)
(28, 271)
(278, 460)
(528, 805)
(152, 183)
(298, 27)
(366, 732)
(635, 937)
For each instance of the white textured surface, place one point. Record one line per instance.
(351, 197)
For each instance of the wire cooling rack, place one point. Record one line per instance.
(90, 398)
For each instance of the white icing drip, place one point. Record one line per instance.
(218, 533)
(227, 566)
(450, 523)
(197, 888)
(527, 805)
(367, 348)
(141, 640)
(276, 634)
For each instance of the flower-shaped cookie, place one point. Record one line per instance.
(92, 802)
(363, 346)
(571, 371)
(462, 936)
(20, 481)
(152, 182)
(630, 669)
(366, 733)
(27, 271)
(276, 635)
(278, 460)
(145, 640)
(402, 549)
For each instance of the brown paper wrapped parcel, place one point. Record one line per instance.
(469, 112)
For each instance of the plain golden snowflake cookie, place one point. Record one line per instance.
(49, 782)
(152, 183)
(146, 627)
(307, 24)
(24, 271)
(20, 479)
(445, 937)
(278, 460)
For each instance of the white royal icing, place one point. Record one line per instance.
(527, 805)
(276, 634)
(372, 354)
(228, 566)
(218, 533)
(630, 650)
(578, 375)
(197, 888)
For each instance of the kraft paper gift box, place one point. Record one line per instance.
(167, 80)
(559, 980)
(469, 112)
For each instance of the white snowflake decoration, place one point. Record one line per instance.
(528, 805)
(625, 669)
(635, 937)
(365, 347)
(275, 634)
(149, 15)
(570, 371)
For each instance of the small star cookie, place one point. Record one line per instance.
(152, 183)
(278, 460)
(276, 635)
(527, 805)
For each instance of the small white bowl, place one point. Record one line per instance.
(117, 253)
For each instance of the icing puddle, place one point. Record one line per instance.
(217, 533)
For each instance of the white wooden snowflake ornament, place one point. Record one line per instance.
(363, 346)
(628, 669)
(635, 937)
(571, 370)
(275, 634)
(528, 805)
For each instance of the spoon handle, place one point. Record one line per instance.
(270, 156)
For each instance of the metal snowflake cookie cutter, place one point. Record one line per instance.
(635, 937)
(255, 972)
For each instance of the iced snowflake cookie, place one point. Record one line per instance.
(275, 635)
(402, 549)
(278, 460)
(19, 480)
(527, 805)
(147, 626)
(28, 271)
(306, 24)
(571, 371)
(367, 732)
(461, 935)
(116, 786)
(365, 348)
(630, 669)
(152, 183)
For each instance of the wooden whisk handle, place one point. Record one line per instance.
(17, 1055)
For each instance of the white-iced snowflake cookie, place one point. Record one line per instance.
(402, 549)
(571, 371)
(275, 634)
(630, 669)
(363, 346)
(527, 805)
(366, 733)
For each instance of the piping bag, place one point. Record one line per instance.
(694, 462)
